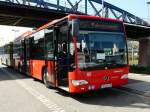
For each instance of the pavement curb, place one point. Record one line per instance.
(145, 94)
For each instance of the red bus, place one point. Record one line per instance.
(77, 53)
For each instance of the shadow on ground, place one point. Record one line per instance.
(5, 76)
(112, 97)
(132, 81)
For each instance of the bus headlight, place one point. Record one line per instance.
(79, 82)
(125, 76)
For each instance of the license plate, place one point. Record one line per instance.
(106, 86)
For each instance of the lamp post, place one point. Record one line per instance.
(102, 8)
(148, 3)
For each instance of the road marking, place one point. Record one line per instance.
(49, 104)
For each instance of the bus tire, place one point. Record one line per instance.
(45, 78)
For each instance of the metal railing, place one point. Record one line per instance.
(90, 7)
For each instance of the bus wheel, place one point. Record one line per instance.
(45, 78)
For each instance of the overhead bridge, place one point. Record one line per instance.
(34, 13)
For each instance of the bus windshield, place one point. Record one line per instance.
(97, 50)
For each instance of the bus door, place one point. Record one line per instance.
(27, 54)
(61, 55)
(11, 54)
(24, 61)
(49, 56)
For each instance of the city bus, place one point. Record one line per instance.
(6, 54)
(77, 53)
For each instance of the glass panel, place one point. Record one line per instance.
(100, 25)
(97, 49)
(38, 45)
(49, 43)
(17, 49)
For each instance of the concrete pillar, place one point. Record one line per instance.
(144, 52)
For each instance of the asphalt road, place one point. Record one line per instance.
(19, 93)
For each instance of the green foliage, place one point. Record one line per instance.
(140, 70)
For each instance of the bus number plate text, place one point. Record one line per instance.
(106, 86)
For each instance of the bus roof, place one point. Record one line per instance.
(70, 17)
(73, 16)
(22, 36)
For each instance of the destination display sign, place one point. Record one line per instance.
(100, 25)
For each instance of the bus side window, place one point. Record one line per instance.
(63, 38)
(38, 45)
(49, 43)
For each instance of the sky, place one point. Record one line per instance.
(9, 33)
(136, 7)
